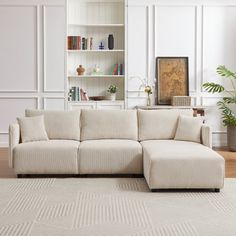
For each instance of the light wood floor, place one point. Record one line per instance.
(230, 163)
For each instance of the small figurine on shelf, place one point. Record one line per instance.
(80, 70)
(96, 70)
(101, 46)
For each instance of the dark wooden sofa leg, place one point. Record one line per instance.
(217, 190)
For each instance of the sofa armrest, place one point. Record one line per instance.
(14, 139)
(206, 135)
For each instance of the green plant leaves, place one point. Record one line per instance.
(213, 88)
(227, 115)
(223, 71)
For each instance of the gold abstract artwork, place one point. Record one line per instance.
(172, 75)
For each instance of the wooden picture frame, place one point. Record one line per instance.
(172, 78)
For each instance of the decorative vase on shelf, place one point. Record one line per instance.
(111, 96)
(80, 70)
(111, 42)
(148, 100)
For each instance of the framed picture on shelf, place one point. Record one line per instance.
(172, 78)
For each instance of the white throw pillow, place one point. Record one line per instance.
(189, 129)
(32, 129)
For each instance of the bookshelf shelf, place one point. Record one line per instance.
(95, 76)
(96, 51)
(96, 25)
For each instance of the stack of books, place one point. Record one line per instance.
(117, 69)
(78, 94)
(79, 43)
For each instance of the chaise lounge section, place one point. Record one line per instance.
(139, 142)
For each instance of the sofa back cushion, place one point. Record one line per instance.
(59, 124)
(159, 124)
(109, 124)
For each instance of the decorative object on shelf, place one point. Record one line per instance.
(97, 98)
(80, 70)
(101, 46)
(111, 42)
(172, 78)
(83, 95)
(146, 86)
(91, 44)
(112, 90)
(148, 90)
(227, 105)
(181, 101)
(96, 70)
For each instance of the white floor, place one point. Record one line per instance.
(92, 207)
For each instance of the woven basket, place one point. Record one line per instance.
(181, 101)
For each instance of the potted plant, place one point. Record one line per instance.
(112, 90)
(227, 105)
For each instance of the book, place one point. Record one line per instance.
(115, 70)
(69, 42)
(73, 98)
(78, 42)
(121, 69)
(83, 43)
(118, 69)
(77, 94)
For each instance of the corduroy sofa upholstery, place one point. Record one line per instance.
(119, 142)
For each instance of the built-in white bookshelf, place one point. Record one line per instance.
(96, 19)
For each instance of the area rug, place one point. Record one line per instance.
(112, 206)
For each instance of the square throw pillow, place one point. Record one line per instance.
(32, 129)
(189, 129)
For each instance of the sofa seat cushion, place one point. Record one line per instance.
(181, 164)
(46, 157)
(110, 157)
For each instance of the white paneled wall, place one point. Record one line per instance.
(32, 46)
(203, 30)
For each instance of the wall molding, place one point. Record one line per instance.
(37, 51)
(45, 48)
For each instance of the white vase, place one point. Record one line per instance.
(111, 96)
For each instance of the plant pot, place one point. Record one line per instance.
(111, 96)
(231, 138)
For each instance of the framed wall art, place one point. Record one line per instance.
(172, 78)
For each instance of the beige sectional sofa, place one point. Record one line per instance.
(119, 142)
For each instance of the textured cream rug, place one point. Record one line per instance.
(107, 207)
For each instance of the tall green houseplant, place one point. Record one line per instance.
(227, 105)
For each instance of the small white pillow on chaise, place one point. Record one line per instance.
(32, 129)
(189, 129)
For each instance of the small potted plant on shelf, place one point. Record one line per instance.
(227, 104)
(112, 90)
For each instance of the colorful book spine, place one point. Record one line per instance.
(83, 43)
(78, 42)
(77, 94)
(73, 96)
(115, 71)
(121, 69)
(69, 42)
